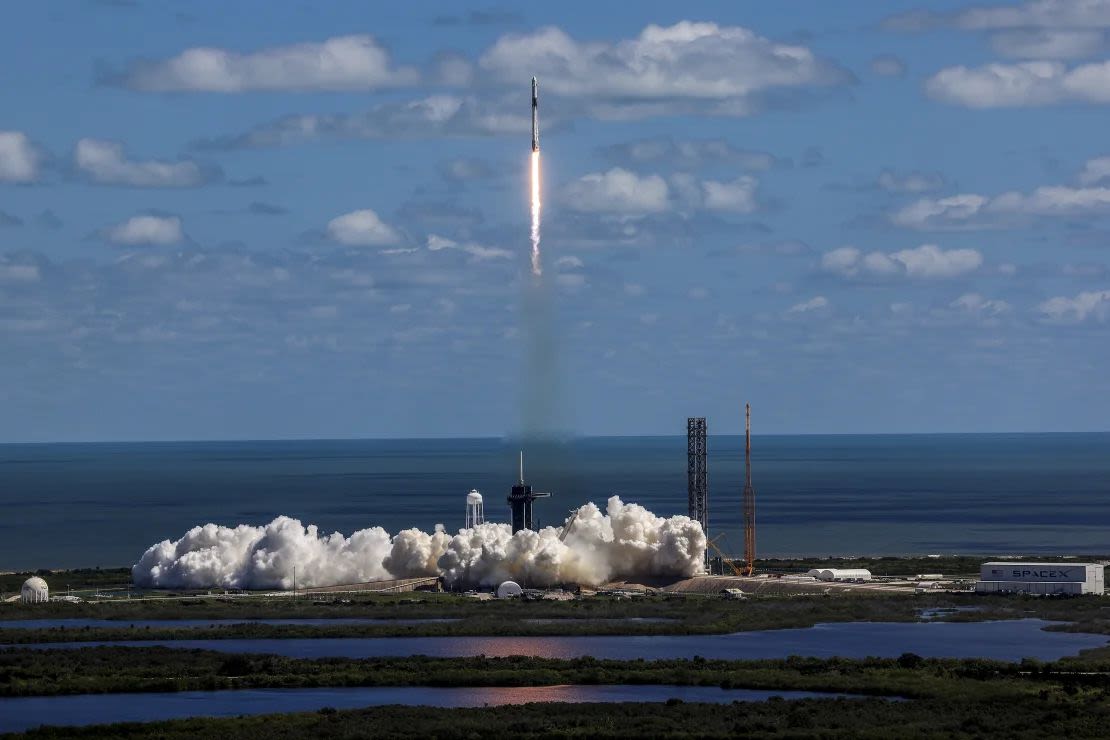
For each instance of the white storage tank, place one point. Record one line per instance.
(34, 591)
(508, 590)
(1041, 578)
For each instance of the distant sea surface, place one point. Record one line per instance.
(77, 505)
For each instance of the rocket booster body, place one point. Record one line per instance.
(535, 115)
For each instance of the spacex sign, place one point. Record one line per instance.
(1052, 572)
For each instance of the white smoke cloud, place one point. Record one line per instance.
(626, 541)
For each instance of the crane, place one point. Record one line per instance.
(725, 560)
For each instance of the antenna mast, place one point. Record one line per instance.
(749, 493)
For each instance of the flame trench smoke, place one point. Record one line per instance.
(625, 541)
(537, 267)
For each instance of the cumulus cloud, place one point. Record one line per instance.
(477, 252)
(147, 230)
(910, 182)
(737, 196)
(1024, 84)
(626, 541)
(354, 62)
(1095, 171)
(19, 158)
(1088, 304)
(927, 262)
(362, 229)
(1041, 29)
(617, 191)
(104, 162)
(977, 305)
(688, 154)
(813, 304)
(432, 116)
(971, 210)
(718, 69)
(888, 65)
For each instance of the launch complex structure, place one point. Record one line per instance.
(697, 484)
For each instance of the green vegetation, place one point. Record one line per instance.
(105, 669)
(600, 615)
(953, 699)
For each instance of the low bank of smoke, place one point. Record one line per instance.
(625, 542)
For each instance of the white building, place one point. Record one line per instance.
(34, 591)
(840, 574)
(1041, 578)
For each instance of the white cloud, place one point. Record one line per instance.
(432, 116)
(689, 154)
(19, 273)
(477, 252)
(139, 230)
(973, 303)
(19, 159)
(970, 210)
(911, 182)
(888, 65)
(104, 162)
(927, 262)
(1024, 84)
(1038, 14)
(687, 63)
(362, 229)
(1095, 171)
(737, 196)
(569, 262)
(1041, 43)
(813, 304)
(340, 63)
(1090, 304)
(617, 191)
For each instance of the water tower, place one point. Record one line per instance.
(474, 512)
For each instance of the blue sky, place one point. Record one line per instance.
(310, 220)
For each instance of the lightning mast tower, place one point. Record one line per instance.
(749, 493)
(697, 475)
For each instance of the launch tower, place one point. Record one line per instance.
(749, 494)
(520, 501)
(697, 474)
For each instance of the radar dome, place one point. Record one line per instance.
(34, 591)
(508, 590)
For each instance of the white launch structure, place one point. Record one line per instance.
(475, 514)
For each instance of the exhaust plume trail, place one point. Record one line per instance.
(537, 266)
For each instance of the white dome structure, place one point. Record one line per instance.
(508, 590)
(34, 591)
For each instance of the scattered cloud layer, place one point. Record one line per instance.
(1086, 305)
(617, 191)
(362, 229)
(477, 252)
(19, 159)
(432, 116)
(664, 70)
(910, 182)
(927, 261)
(816, 303)
(355, 62)
(974, 211)
(147, 230)
(687, 154)
(105, 163)
(888, 65)
(1024, 84)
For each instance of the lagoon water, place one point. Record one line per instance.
(1002, 640)
(75, 505)
(24, 713)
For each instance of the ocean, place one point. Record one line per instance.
(103, 504)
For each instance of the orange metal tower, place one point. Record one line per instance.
(749, 494)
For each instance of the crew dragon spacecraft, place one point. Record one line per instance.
(535, 115)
